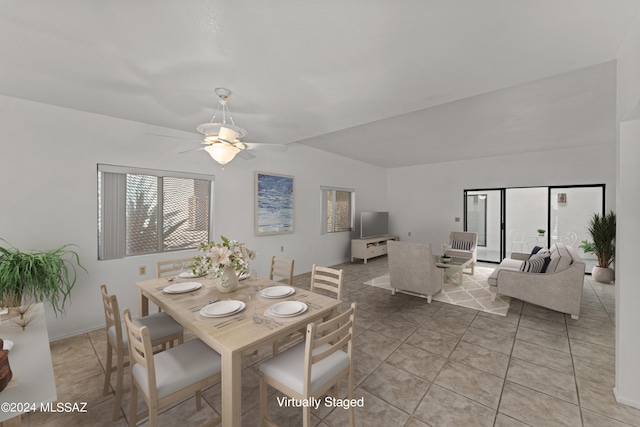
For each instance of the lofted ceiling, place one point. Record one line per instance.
(389, 83)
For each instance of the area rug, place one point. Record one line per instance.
(473, 293)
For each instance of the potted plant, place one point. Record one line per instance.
(37, 275)
(540, 232)
(602, 229)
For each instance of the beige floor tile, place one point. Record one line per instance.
(593, 352)
(450, 315)
(542, 313)
(437, 342)
(375, 412)
(591, 336)
(525, 405)
(593, 371)
(375, 344)
(543, 356)
(393, 329)
(595, 324)
(504, 421)
(480, 358)
(548, 326)
(473, 383)
(363, 366)
(441, 408)
(414, 422)
(69, 349)
(453, 328)
(543, 339)
(416, 361)
(599, 398)
(397, 387)
(545, 380)
(591, 419)
(495, 326)
(98, 415)
(489, 340)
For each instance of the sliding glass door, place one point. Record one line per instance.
(483, 214)
(517, 219)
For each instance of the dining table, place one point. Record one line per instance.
(238, 334)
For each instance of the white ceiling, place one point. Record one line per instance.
(324, 72)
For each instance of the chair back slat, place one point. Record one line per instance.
(140, 349)
(328, 279)
(171, 267)
(111, 312)
(282, 269)
(340, 334)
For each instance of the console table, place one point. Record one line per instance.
(30, 361)
(370, 247)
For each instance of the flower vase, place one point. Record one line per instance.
(228, 282)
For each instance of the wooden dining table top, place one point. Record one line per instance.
(238, 332)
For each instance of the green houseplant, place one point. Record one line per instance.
(602, 229)
(38, 275)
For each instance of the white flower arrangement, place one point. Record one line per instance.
(445, 248)
(216, 257)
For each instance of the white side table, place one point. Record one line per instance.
(30, 361)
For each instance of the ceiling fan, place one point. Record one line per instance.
(222, 140)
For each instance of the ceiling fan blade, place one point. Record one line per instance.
(168, 136)
(260, 146)
(193, 149)
(244, 154)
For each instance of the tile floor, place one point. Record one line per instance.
(416, 365)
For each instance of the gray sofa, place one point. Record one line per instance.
(558, 288)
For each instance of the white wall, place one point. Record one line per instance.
(48, 158)
(627, 388)
(429, 210)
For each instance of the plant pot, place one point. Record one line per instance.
(228, 282)
(602, 274)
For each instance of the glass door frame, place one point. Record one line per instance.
(503, 210)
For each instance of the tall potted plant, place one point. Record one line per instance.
(602, 229)
(38, 275)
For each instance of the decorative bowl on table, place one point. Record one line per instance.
(445, 259)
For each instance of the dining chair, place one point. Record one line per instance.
(171, 267)
(163, 330)
(169, 376)
(328, 279)
(517, 239)
(313, 367)
(281, 269)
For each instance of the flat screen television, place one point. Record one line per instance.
(374, 224)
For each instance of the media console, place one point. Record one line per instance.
(370, 247)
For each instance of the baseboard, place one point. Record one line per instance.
(624, 401)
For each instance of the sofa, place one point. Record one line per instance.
(413, 270)
(558, 287)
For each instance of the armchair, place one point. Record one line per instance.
(464, 244)
(412, 269)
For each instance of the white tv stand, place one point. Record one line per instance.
(370, 247)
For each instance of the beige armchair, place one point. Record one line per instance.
(412, 269)
(464, 244)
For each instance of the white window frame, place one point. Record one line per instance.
(117, 220)
(324, 190)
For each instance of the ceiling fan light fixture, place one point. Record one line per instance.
(221, 152)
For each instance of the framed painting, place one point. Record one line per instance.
(274, 204)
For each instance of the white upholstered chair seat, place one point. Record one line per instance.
(159, 324)
(288, 367)
(180, 367)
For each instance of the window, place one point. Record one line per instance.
(143, 211)
(337, 209)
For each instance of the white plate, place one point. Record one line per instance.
(288, 308)
(222, 308)
(277, 292)
(189, 275)
(180, 288)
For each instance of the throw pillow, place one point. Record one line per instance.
(461, 244)
(534, 265)
(535, 250)
(539, 251)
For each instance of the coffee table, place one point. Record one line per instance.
(455, 266)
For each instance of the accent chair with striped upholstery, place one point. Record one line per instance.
(464, 245)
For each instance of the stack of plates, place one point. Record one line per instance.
(180, 288)
(287, 308)
(277, 292)
(222, 308)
